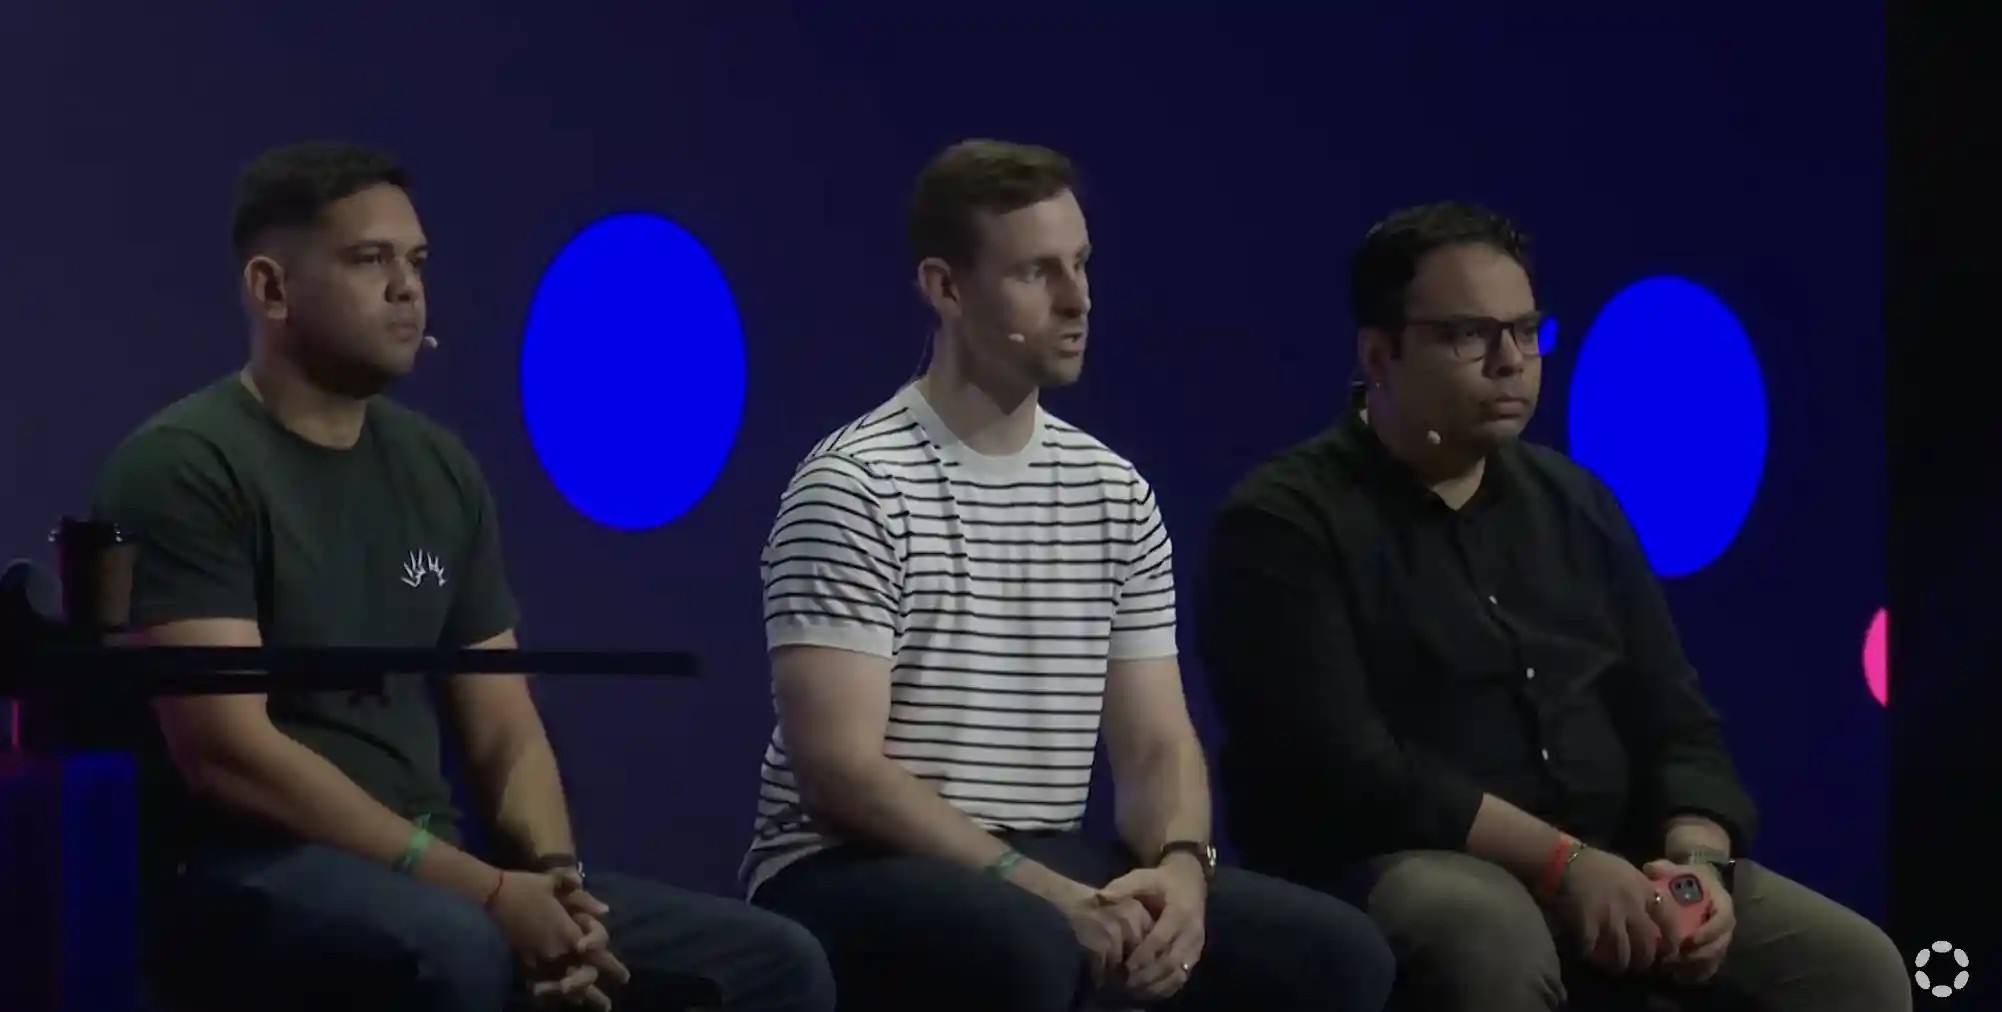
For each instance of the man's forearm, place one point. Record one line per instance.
(276, 779)
(1165, 798)
(1519, 842)
(878, 802)
(1684, 834)
(521, 783)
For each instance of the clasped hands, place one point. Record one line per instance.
(1144, 930)
(1618, 915)
(553, 924)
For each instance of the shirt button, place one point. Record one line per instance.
(1546, 755)
(1491, 600)
(1531, 673)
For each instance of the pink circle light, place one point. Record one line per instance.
(1877, 657)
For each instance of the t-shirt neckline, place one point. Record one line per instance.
(950, 447)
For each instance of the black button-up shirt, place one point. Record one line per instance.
(1380, 660)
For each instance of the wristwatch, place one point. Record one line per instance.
(551, 862)
(1203, 852)
(1725, 865)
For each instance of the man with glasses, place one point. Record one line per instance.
(1452, 688)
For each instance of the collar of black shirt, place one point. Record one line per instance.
(1373, 462)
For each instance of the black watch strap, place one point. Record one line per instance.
(1198, 849)
(551, 862)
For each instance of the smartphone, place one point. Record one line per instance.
(1687, 905)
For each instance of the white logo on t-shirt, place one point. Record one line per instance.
(418, 565)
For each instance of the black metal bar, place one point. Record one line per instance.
(41, 687)
(179, 670)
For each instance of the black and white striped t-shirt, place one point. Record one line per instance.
(999, 587)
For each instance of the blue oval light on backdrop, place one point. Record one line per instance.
(1668, 407)
(632, 371)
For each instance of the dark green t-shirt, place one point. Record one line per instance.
(390, 543)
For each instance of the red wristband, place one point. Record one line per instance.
(1554, 866)
(493, 894)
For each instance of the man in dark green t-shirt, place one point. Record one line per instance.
(316, 857)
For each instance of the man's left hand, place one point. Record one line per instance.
(594, 950)
(1176, 894)
(569, 987)
(1700, 955)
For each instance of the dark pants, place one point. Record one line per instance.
(311, 927)
(910, 932)
(1470, 937)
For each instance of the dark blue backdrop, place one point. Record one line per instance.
(1233, 159)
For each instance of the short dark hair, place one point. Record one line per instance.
(979, 175)
(1381, 270)
(288, 187)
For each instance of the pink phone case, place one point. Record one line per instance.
(1686, 903)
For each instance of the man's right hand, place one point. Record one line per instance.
(586, 910)
(529, 908)
(531, 913)
(565, 950)
(1607, 903)
(1108, 929)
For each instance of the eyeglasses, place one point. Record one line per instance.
(1472, 338)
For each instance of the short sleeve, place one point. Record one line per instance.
(175, 497)
(832, 570)
(483, 606)
(1143, 627)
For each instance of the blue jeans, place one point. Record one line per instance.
(310, 927)
(911, 932)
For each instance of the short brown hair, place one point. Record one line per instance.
(979, 175)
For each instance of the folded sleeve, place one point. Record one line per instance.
(177, 500)
(1143, 625)
(833, 563)
(483, 604)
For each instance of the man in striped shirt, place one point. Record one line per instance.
(959, 589)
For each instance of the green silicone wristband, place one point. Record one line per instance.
(413, 852)
(1006, 862)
